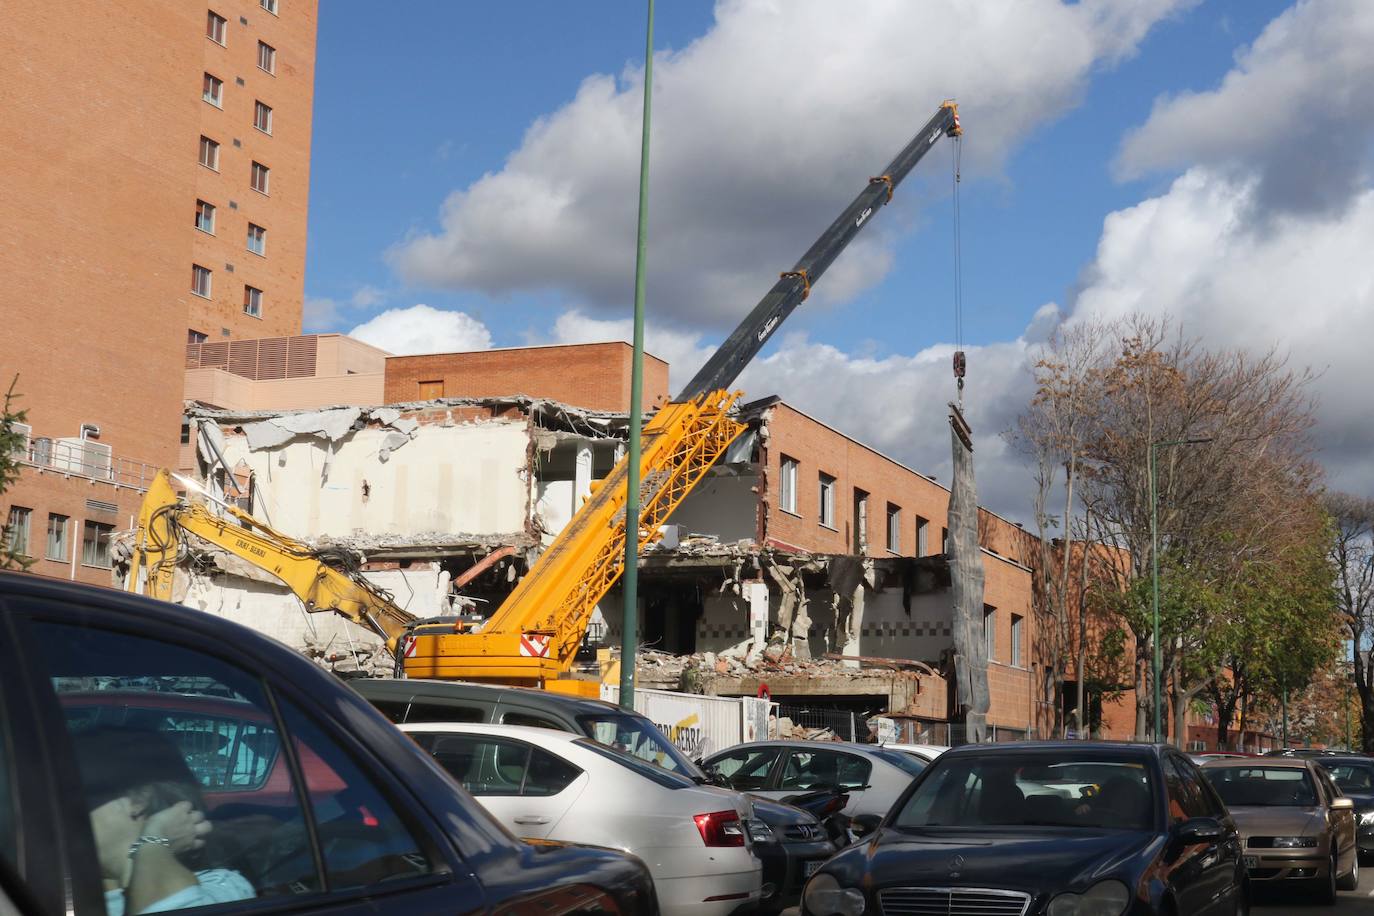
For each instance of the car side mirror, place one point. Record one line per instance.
(1342, 804)
(1199, 830)
(865, 825)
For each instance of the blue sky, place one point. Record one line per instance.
(1175, 158)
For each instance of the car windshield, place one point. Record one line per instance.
(637, 736)
(908, 762)
(1352, 777)
(1261, 786)
(669, 779)
(1011, 790)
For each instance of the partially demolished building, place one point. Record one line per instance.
(807, 565)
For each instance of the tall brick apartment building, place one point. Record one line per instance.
(154, 168)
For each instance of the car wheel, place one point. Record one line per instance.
(1351, 881)
(1327, 892)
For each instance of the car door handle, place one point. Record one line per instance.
(531, 819)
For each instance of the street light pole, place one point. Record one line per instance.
(1159, 729)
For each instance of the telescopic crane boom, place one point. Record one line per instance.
(533, 638)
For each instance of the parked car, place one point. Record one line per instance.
(556, 785)
(1354, 776)
(872, 776)
(408, 700)
(112, 706)
(1295, 823)
(1202, 758)
(1300, 752)
(792, 842)
(926, 752)
(994, 829)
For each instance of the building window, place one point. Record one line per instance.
(17, 531)
(215, 26)
(826, 513)
(200, 280)
(922, 532)
(267, 57)
(269, 5)
(262, 117)
(990, 631)
(894, 528)
(260, 176)
(205, 217)
(195, 337)
(944, 540)
(213, 91)
(95, 544)
(257, 239)
(787, 485)
(209, 153)
(1016, 621)
(57, 537)
(252, 302)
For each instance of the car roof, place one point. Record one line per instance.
(855, 746)
(1115, 748)
(405, 688)
(1292, 763)
(527, 732)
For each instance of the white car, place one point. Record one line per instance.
(926, 752)
(554, 785)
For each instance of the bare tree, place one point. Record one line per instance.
(1352, 557)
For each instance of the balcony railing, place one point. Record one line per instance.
(87, 459)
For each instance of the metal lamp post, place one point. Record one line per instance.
(1154, 574)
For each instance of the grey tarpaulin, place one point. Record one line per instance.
(966, 576)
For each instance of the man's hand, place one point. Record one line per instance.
(183, 826)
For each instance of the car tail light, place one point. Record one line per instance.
(721, 828)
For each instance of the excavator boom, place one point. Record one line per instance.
(533, 638)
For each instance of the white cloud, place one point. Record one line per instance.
(763, 129)
(1295, 113)
(423, 329)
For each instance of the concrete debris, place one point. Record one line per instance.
(784, 728)
(693, 673)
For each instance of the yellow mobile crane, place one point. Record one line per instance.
(533, 638)
(159, 542)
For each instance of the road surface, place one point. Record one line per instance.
(1276, 902)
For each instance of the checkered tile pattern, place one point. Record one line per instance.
(893, 629)
(722, 631)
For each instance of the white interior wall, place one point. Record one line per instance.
(464, 479)
(273, 611)
(721, 504)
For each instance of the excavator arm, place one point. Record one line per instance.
(160, 542)
(533, 638)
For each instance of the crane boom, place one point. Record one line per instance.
(165, 517)
(533, 638)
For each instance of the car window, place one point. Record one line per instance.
(1330, 789)
(746, 770)
(1263, 786)
(909, 763)
(636, 736)
(1352, 777)
(419, 709)
(362, 839)
(524, 718)
(1185, 797)
(548, 774)
(485, 766)
(1200, 801)
(816, 769)
(970, 791)
(158, 731)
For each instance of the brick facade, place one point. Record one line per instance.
(592, 376)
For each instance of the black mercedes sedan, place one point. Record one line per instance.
(1354, 776)
(1053, 829)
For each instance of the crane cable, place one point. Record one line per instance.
(956, 163)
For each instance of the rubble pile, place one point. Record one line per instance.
(693, 673)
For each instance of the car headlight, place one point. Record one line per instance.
(1295, 842)
(824, 897)
(1105, 898)
(760, 832)
(1367, 818)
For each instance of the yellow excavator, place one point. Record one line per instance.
(533, 637)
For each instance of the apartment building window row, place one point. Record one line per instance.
(216, 27)
(267, 57)
(200, 280)
(205, 217)
(257, 239)
(95, 544)
(262, 117)
(252, 302)
(269, 5)
(259, 178)
(212, 90)
(787, 485)
(209, 153)
(58, 537)
(894, 528)
(17, 531)
(826, 513)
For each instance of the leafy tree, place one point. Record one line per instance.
(11, 448)
(1352, 559)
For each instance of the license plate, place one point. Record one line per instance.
(1250, 861)
(813, 866)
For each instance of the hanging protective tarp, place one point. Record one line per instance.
(966, 578)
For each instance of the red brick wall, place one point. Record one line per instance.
(593, 376)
